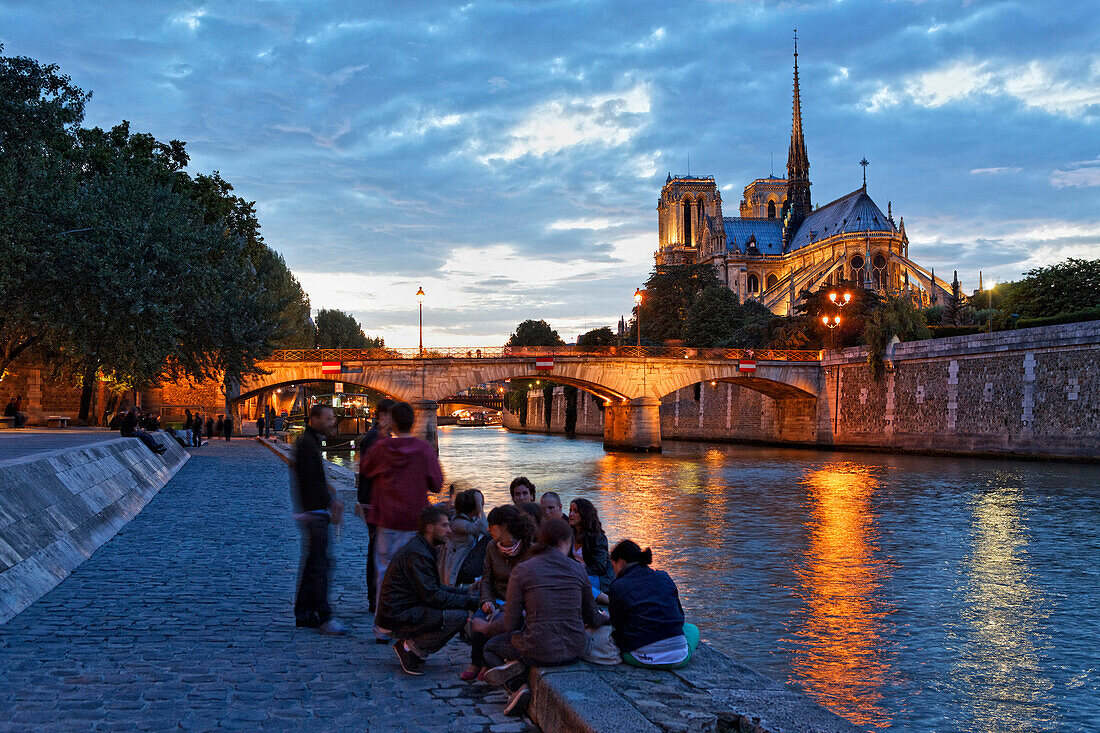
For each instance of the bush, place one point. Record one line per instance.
(1091, 314)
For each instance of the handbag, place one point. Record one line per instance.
(600, 648)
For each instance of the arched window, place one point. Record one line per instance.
(687, 221)
(857, 268)
(754, 284)
(771, 209)
(771, 281)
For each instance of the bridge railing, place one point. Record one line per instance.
(498, 352)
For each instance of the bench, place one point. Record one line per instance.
(57, 421)
(7, 423)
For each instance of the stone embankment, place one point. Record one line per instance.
(58, 507)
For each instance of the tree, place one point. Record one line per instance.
(40, 114)
(597, 337)
(669, 294)
(955, 310)
(337, 329)
(896, 317)
(713, 319)
(1066, 287)
(757, 324)
(534, 333)
(815, 305)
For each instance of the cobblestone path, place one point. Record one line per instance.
(184, 620)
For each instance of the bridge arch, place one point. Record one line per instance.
(255, 391)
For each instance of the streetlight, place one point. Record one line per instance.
(638, 323)
(420, 300)
(992, 284)
(831, 326)
(847, 299)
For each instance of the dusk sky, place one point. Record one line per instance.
(508, 156)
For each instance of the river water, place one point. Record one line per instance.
(904, 592)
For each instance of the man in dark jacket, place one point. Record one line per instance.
(402, 470)
(414, 604)
(380, 429)
(317, 506)
(227, 427)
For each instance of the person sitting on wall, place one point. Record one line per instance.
(130, 429)
(551, 506)
(522, 490)
(548, 606)
(646, 614)
(420, 611)
(590, 545)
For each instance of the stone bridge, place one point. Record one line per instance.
(630, 381)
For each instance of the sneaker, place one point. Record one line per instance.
(505, 673)
(517, 703)
(332, 627)
(411, 663)
(469, 674)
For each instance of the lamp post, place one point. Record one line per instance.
(835, 321)
(638, 304)
(831, 324)
(992, 284)
(420, 300)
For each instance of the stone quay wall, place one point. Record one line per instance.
(57, 508)
(1032, 392)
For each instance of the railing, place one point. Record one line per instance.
(503, 352)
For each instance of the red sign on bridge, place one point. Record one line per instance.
(544, 363)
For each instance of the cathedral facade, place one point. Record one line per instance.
(780, 244)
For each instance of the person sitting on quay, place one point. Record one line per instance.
(590, 546)
(548, 606)
(130, 429)
(468, 527)
(420, 611)
(12, 410)
(521, 490)
(402, 470)
(646, 615)
(550, 503)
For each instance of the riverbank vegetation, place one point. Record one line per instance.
(117, 263)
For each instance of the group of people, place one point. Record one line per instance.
(525, 584)
(193, 426)
(14, 409)
(133, 425)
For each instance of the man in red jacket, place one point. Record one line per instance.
(402, 470)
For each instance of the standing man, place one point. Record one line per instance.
(422, 612)
(269, 413)
(317, 506)
(402, 470)
(227, 426)
(259, 424)
(383, 425)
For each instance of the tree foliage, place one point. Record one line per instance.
(534, 333)
(1066, 287)
(338, 329)
(669, 294)
(597, 337)
(895, 317)
(853, 316)
(713, 318)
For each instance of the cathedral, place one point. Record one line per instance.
(781, 244)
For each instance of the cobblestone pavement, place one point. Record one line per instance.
(184, 620)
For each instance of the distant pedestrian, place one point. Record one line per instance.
(227, 427)
(188, 424)
(196, 431)
(218, 426)
(522, 490)
(209, 427)
(383, 425)
(402, 470)
(317, 506)
(268, 423)
(422, 612)
(259, 426)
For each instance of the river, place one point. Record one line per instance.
(904, 592)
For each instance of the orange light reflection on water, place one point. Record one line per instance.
(837, 658)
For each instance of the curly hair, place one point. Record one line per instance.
(590, 529)
(516, 521)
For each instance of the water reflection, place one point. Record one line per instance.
(838, 630)
(1002, 616)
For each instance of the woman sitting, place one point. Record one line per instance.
(646, 614)
(467, 527)
(512, 535)
(590, 545)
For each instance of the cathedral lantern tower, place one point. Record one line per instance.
(797, 206)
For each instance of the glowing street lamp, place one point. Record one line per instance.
(831, 324)
(420, 300)
(992, 284)
(847, 298)
(638, 303)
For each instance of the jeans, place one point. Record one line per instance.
(386, 544)
(372, 581)
(429, 642)
(311, 602)
(499, 650)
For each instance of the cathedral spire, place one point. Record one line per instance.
(797, 206)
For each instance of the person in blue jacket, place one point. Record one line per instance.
(646, 616)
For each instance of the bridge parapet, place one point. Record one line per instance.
(498, 352)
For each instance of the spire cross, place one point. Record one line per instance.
(864, 163)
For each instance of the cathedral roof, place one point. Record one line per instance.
(849, 214)
(768, 234)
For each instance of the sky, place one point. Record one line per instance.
(508, 156)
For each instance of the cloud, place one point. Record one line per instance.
(1083, 174)
(1058, 88)
(994, 171)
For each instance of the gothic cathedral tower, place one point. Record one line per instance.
(797, 207)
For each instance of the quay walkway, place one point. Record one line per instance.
(183, 620)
